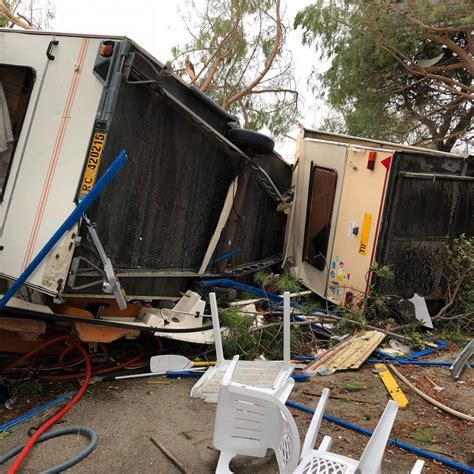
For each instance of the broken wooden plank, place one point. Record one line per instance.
(350, 353)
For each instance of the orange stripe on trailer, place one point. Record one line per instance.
(56, 151)
(66, 116)
(51, 167)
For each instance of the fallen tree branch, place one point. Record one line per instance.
(170, 456)
(429, 399)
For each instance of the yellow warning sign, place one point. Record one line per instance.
(364, 235)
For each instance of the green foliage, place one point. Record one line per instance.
(416, 341)
(455, 335)
(231, 44)
(377, 307)
(286, 282)
(263, 278)
(356, 386)
(251, 344)
(345, 325)
(382, 271)
(457, 261)
(422, 436)
(381, 82)
(278, 283)
(238, 340)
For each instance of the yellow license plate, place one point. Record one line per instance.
(93, 162)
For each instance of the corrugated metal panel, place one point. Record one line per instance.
(350, 353)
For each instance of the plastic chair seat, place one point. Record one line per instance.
(326, 463)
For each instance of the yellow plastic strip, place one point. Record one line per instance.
(364, 235)
(391, 385)
(203, 364)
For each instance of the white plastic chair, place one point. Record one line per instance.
(267, 375)
(250, 421)
(321, 460)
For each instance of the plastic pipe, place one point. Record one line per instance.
(73, 217)
(75, 430)
(407, 447)
(31, 442)
(29, 414)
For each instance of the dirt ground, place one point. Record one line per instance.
(125, 414)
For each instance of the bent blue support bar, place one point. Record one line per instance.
(226, 283)
(228, 254)
(80, 209)
(407, 447)
(30, 414)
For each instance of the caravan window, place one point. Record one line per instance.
(322, 190)
(16, 83)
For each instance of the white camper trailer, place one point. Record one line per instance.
(359, 201)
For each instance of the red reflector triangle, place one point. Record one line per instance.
(386, 162)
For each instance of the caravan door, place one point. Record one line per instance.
(317, 179)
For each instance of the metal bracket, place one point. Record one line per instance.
(110, 282)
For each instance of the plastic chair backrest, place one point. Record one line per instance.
(312, 433)
(371, 460)
(249, 421)
(217, 328)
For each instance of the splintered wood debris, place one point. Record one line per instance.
(350, 353)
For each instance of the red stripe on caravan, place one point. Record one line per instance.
(55, 152)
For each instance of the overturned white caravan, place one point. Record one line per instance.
(200, 197)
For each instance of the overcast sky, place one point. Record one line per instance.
(157, 26)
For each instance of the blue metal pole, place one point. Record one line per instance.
(80, 209)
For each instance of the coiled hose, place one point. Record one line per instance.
(25, 449)
(83, 430)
